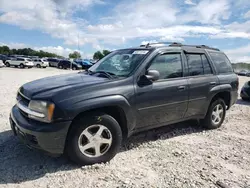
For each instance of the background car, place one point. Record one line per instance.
(41, 63)
(4, 58)
(53, 62)
(244, 73)
(20, 62)
(66, 64)
(1, 64)
(245, 91)
(84, 63)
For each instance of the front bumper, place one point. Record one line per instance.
(43, 136)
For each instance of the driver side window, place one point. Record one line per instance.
(168, 65)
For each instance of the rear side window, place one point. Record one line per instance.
(221, 62)
(20, 59)
(198, 65)
(195, 66)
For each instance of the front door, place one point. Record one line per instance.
(166, 99)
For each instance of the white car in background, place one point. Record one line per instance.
(20, 62)
(41, 63)
(1, 64)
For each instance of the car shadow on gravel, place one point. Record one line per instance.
(242, 102)
(163, 133)
(19, 164)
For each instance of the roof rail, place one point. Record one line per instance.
(194, 46)
(177, 44)
(158, 44)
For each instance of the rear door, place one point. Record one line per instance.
(201, 79)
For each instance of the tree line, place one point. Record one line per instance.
(5, 50)
(26, 51)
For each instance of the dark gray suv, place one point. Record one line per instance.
(87, 114)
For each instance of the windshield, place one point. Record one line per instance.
(121, 62)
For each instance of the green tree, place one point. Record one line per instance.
(105, 52)
(75, 55)
(99, 55)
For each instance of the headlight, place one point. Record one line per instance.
(44, 108)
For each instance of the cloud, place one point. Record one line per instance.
(241, 54)
(247, 14)
(162, 20)
(45, 16)
(189, 2)
(207, 12)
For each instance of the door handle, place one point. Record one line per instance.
(180, 88)
(212, 83)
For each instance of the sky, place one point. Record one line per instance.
(60, 26)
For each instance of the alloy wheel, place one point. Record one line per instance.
(217, 114)
(95, 141)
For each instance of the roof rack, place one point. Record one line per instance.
(177, 44)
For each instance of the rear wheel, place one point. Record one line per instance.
(21, 66)
(94, 139)
(74, 68)
(38, 66)
(215, 115)
(7, 64)
(60, 67)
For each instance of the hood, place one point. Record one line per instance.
(58, 83)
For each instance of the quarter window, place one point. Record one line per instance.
(221, 62)
(168, 65)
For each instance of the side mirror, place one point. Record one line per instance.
(153, 75)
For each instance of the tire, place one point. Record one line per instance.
(60, 67)
(208, 121)
(76, 137)
(21, 66)
(38, 66)
(73, 68)
(7, 64)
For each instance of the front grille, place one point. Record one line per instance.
(24, 101)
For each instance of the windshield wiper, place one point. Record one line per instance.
(108, 74)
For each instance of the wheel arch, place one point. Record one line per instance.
(116, 106)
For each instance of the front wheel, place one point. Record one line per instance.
(94, 139)
(38, 66)
(60, 67)
(215, 115)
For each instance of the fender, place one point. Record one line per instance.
(217, 89)
(100, 102)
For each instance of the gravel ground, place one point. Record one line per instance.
(181, 155)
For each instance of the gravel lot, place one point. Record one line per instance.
(182, 155)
